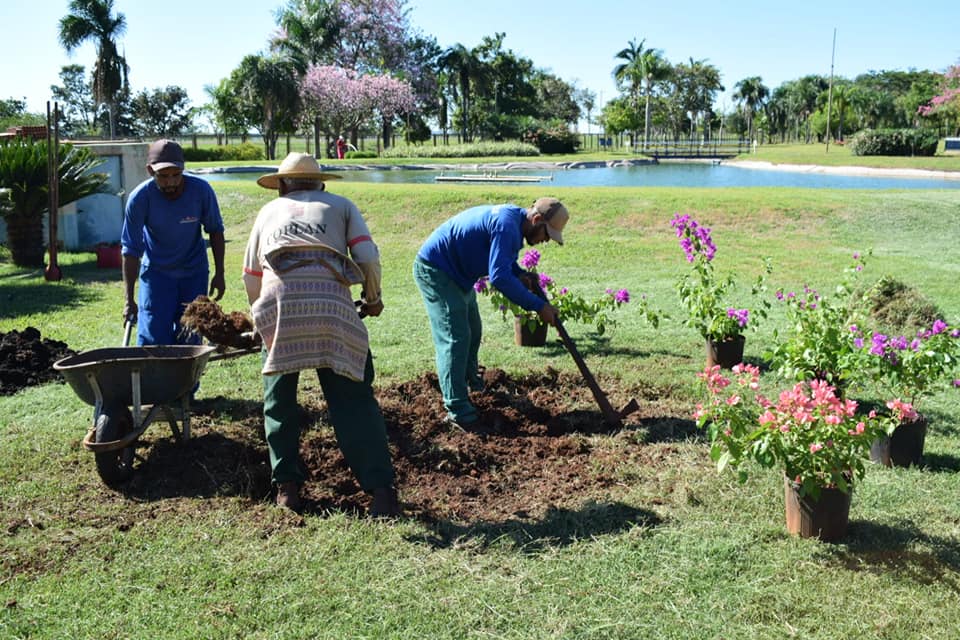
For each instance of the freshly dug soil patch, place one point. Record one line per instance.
(539, 453)
(207, 318)
(541, 445)
(26, 359)
(530, 451)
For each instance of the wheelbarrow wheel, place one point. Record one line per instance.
(115, 466)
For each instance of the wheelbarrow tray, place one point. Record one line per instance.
(166, 372)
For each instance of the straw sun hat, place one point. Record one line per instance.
(296, 165)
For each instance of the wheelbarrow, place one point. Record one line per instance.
(154, 381)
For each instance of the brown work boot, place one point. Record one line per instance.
(288, 496)
(385, 503)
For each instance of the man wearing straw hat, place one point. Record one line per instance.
(306, 249)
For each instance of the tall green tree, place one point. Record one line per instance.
(462, 67)
(310, 31)
(696, 85)
(268, 96)
(162, 113)
(641, 70)
(75, 99)
(225, 109)
(750, 93)
(94, 20)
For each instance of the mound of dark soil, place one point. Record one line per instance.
(528, 452)
(207, 318)
(26, 359)
(540, 447)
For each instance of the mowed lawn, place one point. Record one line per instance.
(705, 558)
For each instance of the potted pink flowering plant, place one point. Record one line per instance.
(704, 294)
(817, 438)
(570, 306)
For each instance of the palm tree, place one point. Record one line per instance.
(94, 20)
(310, 32)
(751, 94)
(464, 66)
(641, 67)
(698, 83)
(628, 74)
(268, 97)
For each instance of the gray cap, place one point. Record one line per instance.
(163, 154)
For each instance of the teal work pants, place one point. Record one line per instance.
(456, 328)
(357, 423)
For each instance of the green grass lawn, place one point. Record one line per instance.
(675, 550)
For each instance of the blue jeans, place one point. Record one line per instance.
(456, 328)
(162, 300)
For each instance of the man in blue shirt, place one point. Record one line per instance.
(481, 241)
(162, 244)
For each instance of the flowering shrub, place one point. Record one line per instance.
(702, 292)
(819, 439)
(821, 341)
(570, 307)
(913, 368)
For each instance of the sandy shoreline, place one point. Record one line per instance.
(845, 171)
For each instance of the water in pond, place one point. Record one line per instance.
(660, 175)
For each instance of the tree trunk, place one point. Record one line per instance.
(25, 240)
(387, 132)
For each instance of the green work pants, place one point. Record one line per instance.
(456, 328)
(357, 423)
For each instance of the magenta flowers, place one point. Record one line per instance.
(571, 307)
(702, 291)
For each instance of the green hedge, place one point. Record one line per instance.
(243, 151)
(472, 150)
(351, 155)
(895, 142)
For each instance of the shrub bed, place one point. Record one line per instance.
(894, 142)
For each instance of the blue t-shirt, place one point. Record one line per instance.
(166, 234)
(483, 241)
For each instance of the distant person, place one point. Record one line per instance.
(298, 274)
(341, 148)
(478, 242)
(163, 247)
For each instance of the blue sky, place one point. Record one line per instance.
(193, 44)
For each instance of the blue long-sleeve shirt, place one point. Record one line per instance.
(483, 241)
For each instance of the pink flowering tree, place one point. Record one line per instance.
(946, 105)
(339, 100)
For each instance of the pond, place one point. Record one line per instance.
(651, 175)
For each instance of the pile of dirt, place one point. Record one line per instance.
(207, 318)
(26, 359)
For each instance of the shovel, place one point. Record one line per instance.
(611, 416)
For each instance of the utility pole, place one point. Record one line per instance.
(833, 52)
